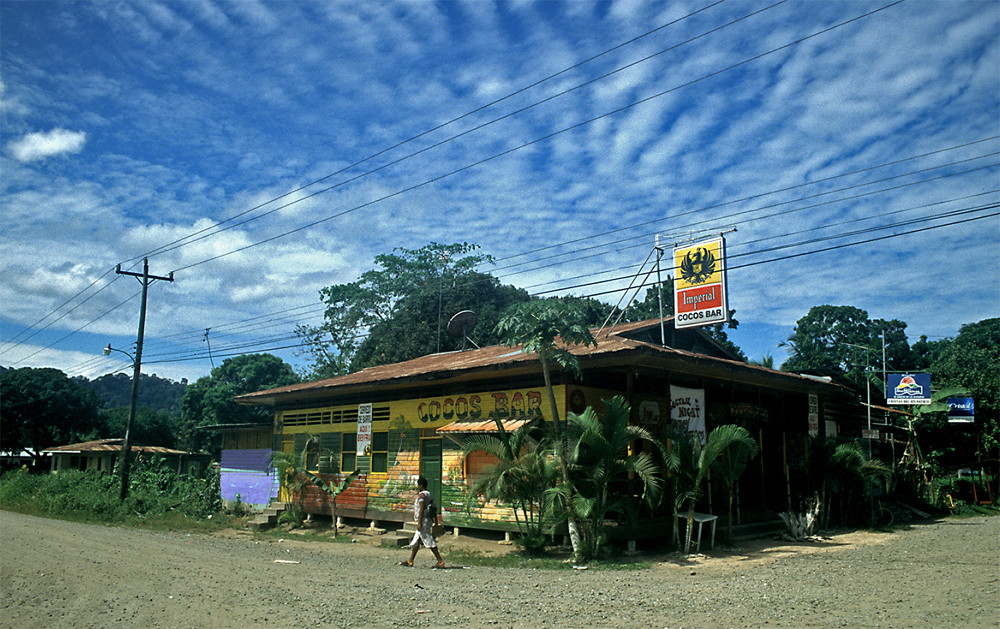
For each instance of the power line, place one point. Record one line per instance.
(12, 340)
(537, 140)
(233, 349)
(776, 237)
(725, 219)
(564, 130)
(82, 327)
(192, 237)
(761, 195)
(779, 259)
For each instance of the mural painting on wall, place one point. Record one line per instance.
(687, 410)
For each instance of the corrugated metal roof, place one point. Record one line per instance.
(111, 445)
(497, 357)
(482, 427)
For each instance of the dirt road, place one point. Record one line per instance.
(60, 574)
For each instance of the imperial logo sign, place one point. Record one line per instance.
(700, 284)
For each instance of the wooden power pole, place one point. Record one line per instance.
(145, 279)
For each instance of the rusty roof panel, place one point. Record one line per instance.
(451, 364)
(112, 445)
(479, 426)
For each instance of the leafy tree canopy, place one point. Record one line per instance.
(837, 339)
(972, 361)
(397, 303)
(969, 363)
(209, 401)
(150, 427)
(416, 327)
(42, 408)
(115, 390)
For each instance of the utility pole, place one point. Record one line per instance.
(209, 348)
(145, 279)
(659, 290)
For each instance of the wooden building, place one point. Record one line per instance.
(101, 455)
(411, 418)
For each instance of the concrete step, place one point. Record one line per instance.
(405, 534)
(269, 516)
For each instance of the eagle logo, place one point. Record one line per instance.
(697, 266)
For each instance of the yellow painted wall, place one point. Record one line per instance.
(432, 412)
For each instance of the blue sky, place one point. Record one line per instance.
(139, 128)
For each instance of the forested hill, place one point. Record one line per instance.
(157, 393)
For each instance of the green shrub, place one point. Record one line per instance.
(531, 544)
(155, 490)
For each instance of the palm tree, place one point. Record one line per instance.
(731, 465)
(534, 326)
(599, 459)
(291, 475)
(295, 477)
(333, 491)
(693, 462)
(523, 473)
(851, 472)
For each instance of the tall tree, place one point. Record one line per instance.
(156, 393)
(407, 282)
(149, 428)
(649, 308)
(418, 325)
(972, 361)
(209, 401)
(534, 326)
(42, 408)
(843, 339)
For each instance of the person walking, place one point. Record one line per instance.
(425, 513)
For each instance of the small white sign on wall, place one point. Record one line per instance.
(364, 429)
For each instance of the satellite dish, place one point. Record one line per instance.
(461, 324)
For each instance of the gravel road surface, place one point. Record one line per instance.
(59, 574)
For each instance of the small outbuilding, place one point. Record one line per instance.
(100, 455)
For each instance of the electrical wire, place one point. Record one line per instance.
(438, 178)
(739, 245)
(782, 258)
(546, 137)
(191, 237)
(727, 218)
(538, 140)
(233, 349)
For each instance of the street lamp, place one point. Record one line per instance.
(125, 461)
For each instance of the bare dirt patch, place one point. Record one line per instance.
(58, 573)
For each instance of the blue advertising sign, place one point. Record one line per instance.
(961, 410)
(912, 388)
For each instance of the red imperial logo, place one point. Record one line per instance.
(699, 298)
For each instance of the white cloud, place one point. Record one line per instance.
(43, 144)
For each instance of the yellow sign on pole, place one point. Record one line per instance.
(700, 284)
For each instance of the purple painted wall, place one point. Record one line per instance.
(248, 473)
(246, 460)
